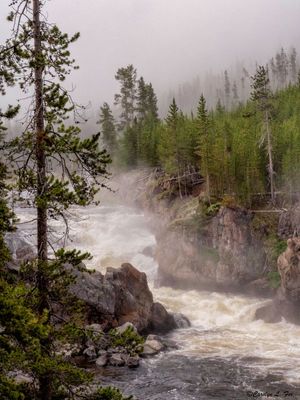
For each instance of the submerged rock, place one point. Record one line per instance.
(161, 320)
(181, 321)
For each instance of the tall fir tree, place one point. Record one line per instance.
(37, 59)
(204, 142)
(108, 129)
(126, 99)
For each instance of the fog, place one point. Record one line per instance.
(168, 41)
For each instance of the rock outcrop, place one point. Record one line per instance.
(286, 303)
(121, 295)
(226, 254)
(289, 270)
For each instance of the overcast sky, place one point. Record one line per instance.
(169, 41)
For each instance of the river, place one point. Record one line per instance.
(225, 354)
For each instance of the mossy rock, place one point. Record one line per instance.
(129, 339)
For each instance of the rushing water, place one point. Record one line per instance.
(225, 354)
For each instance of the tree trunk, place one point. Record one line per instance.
(40, 137)
(270, 157)
(45, 386)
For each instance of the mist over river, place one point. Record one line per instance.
(225, 354)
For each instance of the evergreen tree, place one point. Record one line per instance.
(108, 129)
(152, 103)
(127, 96)
(261, 95)
(142, 99)
(37, 59)
(204, 143)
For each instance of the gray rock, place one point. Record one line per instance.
(161, 320)
(121, 329)
(95, 328)
(90, 352)
(117, 360)
(152, 347)
(20, 247)
(181, 320)
(20, 377)
(153, 337)
(102, 360)
(121, 295)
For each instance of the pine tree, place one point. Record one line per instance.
(127, 96)
(261, 95)
(142, 99)
(37, 59)
(108, 129)
(152, 103)
(146, 101)
(170, 149)
(204, 143)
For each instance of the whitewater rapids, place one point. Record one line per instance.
(224, 354)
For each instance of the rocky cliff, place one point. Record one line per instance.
(286, 303)
(213, 246)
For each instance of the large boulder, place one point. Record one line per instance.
(121, 295)
(21, 249)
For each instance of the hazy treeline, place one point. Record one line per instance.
(232, 85)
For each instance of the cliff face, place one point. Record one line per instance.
(226, 254)
(212, 248)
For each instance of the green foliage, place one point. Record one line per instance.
(230, 148)
(108, 128)
(129, 339)
(274, 279)
(126, 98)
(212, 209)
